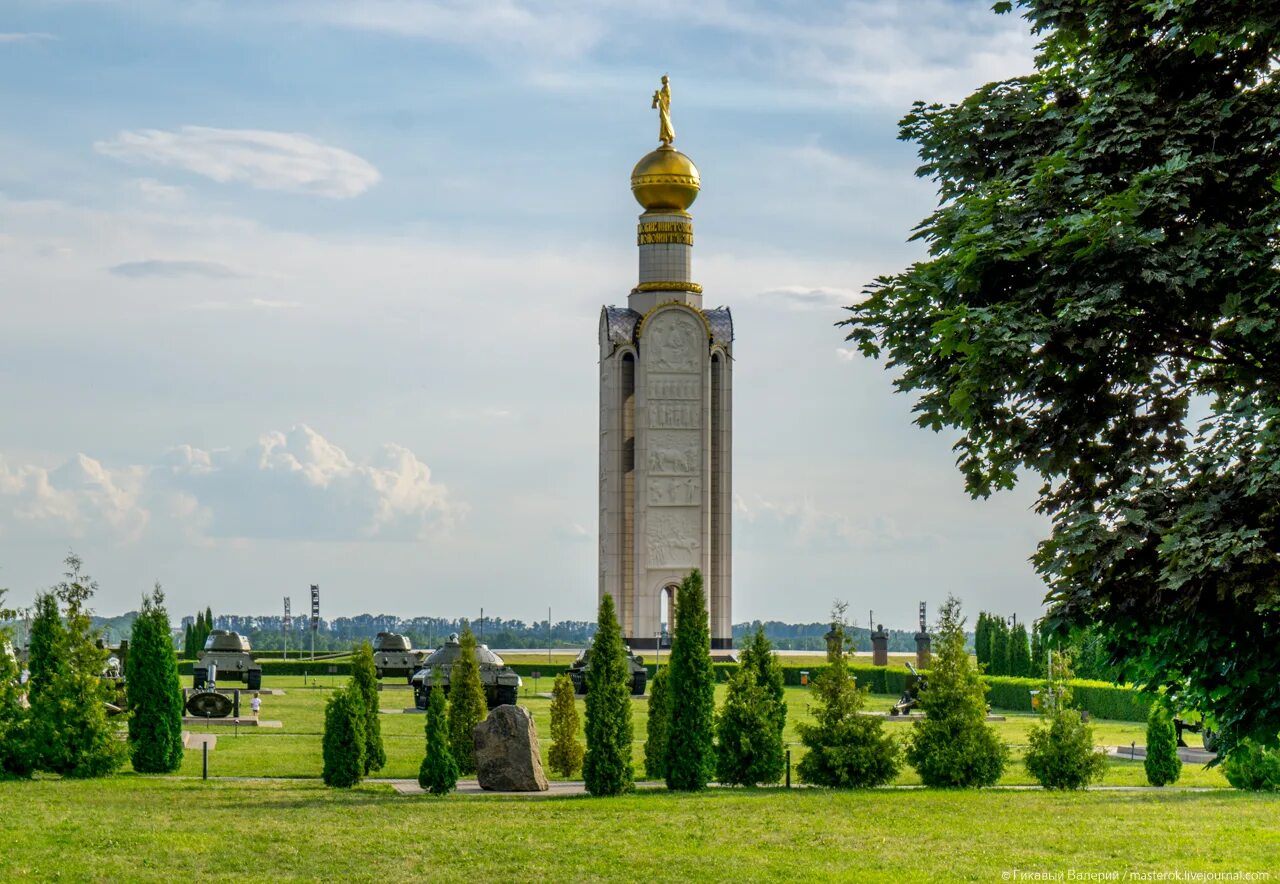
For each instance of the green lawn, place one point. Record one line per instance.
(294, 749)
(141, 828)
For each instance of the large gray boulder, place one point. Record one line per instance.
(508, 757)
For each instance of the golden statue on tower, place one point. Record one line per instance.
(662, 101)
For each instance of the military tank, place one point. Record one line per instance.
(578, 672)
(501, 683)
(393, 655)
(229, 653)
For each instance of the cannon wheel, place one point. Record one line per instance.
(1210, 740)
(637, 684)
(255, 679)
(199, 680)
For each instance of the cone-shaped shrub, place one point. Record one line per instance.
(954, 746)
(364, 677)
(606, 767)
(1061, 753)
(154, 691)
(467, 706)
(691, 751)
(758, 654)
(438, 773)
(344, 745)
(1019, 652)
(655, 744)
(1253, 767)
(749, 726)
(1162, 763)
(845, 749)
(565, 757)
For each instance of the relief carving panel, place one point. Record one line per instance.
(673, 538)
(674, 491)
(674, 341)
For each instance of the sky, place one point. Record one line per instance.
(307, 291)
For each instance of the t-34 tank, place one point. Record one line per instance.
(578, 672)
(229, 652)
(393, 655)
(499, 680)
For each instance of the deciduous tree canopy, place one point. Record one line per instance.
(1099, 307)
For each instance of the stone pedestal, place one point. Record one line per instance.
(508, 757)
(924, 652)
(880, 647)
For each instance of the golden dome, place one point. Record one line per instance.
(666, 180)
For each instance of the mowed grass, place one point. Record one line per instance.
(138, 828)
(294, 749)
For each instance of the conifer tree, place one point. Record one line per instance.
(1060, 753)
(208, 623)
(954, 746)
(748, 750)
(364, 678)
(15, 748)
(606, 766)
(1019, 652)
(154, 691)
(565, 757)
(467, 706)
(655, 745)
(344, 738)
(68, 706)
(1037, 651)
(1163, 766)
(999, 647)
(186, 642)
(845, 749)
(982, 640)
(691, 761)
(438, 773)
(758, 654)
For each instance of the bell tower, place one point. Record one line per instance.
(666, 408)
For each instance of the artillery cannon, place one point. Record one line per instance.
(206, 701)
(1208, 737)
(911, 693)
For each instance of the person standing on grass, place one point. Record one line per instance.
(256, 704)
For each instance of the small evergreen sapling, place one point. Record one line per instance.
(845, 749)
(565, 757)
(364, 678)
(15, 755)
(749, 726)
(655, 745)
(438, 773)
(154, 691)
(606, 766)
(344, 738)
(467, 706)
(1060, 753)
(1162, 763)
(954, 746)
(691, 758)
(1253, 767)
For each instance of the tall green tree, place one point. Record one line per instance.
(364, 678)
(1019, 652)
(154, 690)
(344, 738)
(1100, 308)
(954, 746)
(691, 751)
(69, 724)
(565, 757)
(844, 748)
(1038, 661)
(657, 725)
(438, 773)
(982, 640)
(1162, 764)
(757, 654)
(467, 706)
(15, 746)
(606, 767)
(999, 647)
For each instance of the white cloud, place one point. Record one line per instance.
(300, 486)
(800, 297)
(801, 524)
(157, 192)
(26, 37)
(169, 269)
(265, 160)
(79, 497)
(295, 485)
(846, 355)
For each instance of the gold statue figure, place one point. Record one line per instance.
(662, 101)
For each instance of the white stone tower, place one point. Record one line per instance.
(666, 409)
